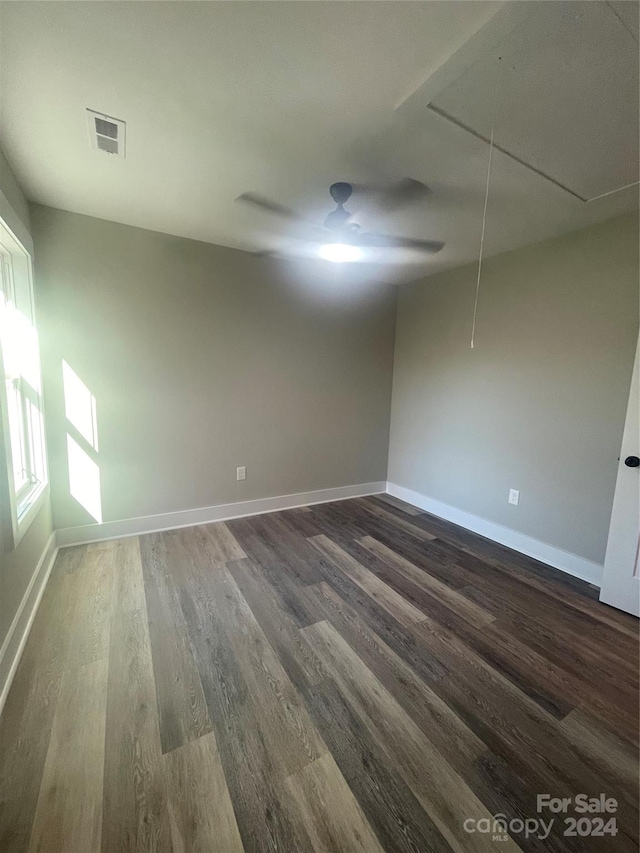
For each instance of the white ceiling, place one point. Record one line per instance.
(283, 98)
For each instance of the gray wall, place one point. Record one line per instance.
(17, 566)
(539, 404)
(202, 359)
(14, 207)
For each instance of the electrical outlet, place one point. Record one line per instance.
(514, 496)
(241, 473)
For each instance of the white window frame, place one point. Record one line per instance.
(21, 506)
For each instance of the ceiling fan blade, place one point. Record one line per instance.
(384, 241)
(390, 197)
(404, 192)
(268, 205)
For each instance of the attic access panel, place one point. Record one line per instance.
(568, 97)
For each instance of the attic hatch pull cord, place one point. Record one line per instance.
(486, 199)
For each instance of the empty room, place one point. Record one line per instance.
(319, 426)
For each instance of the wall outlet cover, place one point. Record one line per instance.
(514, 497)
(241, 473)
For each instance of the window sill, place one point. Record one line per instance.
(29, 510)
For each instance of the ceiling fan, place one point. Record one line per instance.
(341, 239)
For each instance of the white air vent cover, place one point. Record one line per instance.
(106, 133)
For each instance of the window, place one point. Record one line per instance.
(21, 394)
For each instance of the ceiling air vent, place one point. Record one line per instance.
(106, 133)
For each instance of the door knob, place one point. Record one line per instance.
(632, 462)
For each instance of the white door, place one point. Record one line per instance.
(621, 577)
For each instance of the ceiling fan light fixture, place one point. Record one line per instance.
(340, 253)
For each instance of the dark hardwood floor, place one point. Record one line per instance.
(354, 676)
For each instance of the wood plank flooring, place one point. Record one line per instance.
(353, 677)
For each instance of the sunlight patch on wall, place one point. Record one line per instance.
(84, 472)
(84, 479)
(80, 406)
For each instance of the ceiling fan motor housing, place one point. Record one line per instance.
(337, 218)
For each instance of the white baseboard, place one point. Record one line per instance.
(16, 638)
(564, 560)
(205, 515)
